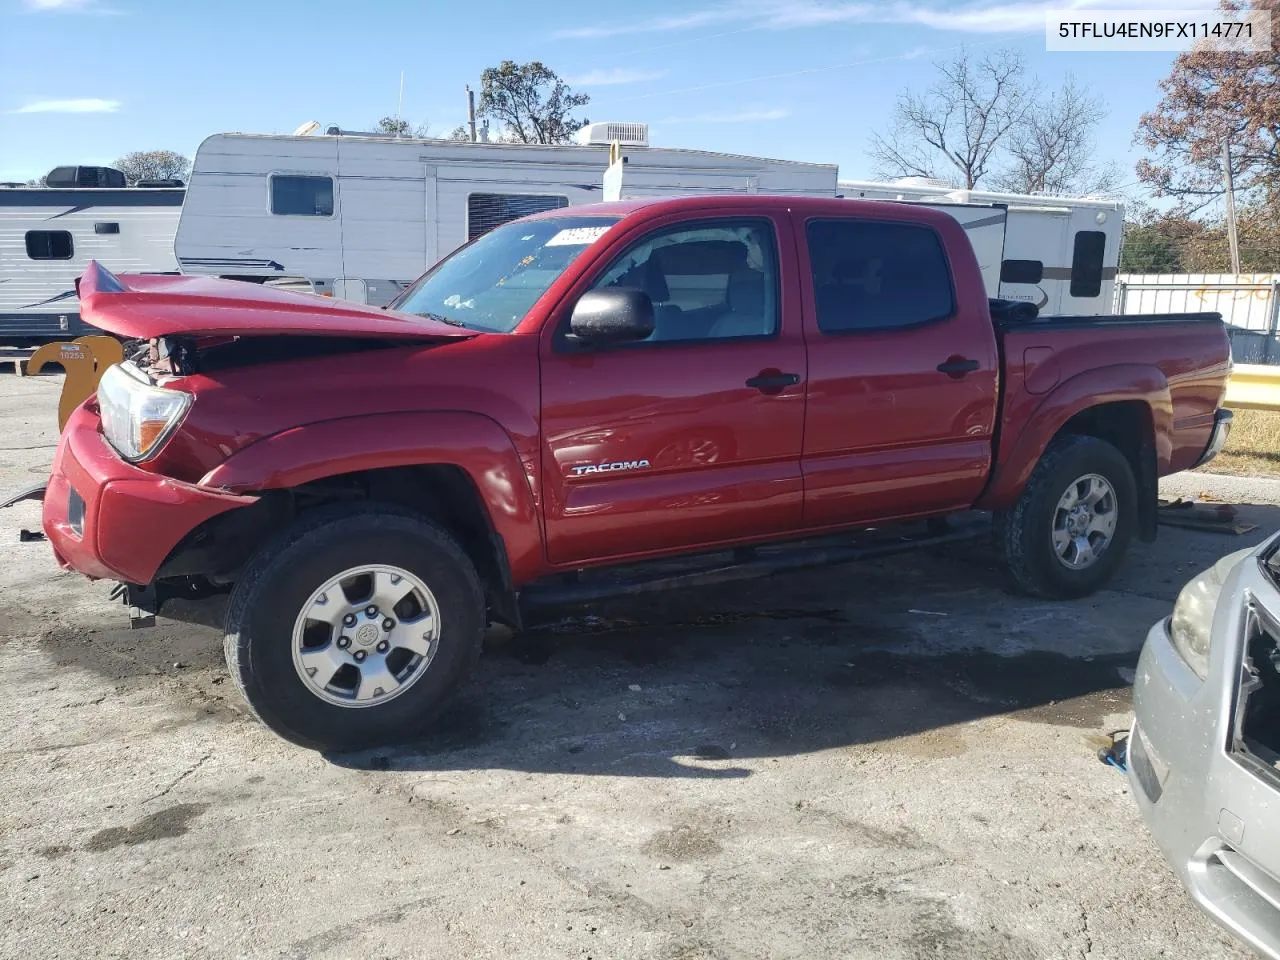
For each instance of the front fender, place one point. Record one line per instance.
(1113, 384)
(472, 442)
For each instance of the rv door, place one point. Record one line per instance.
(347, 288)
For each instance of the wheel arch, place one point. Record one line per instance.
(1128, 405)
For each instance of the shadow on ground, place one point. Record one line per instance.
(895, 652)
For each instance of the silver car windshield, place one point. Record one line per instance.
(490, 284)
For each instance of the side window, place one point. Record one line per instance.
(488, 210)
(712, 281)
(298, 196)
(870, 275)
(49, 245)
(1086, 263)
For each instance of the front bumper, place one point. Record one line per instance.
(1213, 818)
(110, 519)
(1217, 437)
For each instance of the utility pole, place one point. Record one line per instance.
(471, 112)
(1232, 237)
(399, 104)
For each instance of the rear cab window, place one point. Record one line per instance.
(877, 275)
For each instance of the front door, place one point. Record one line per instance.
(691, 437)
(902, 373)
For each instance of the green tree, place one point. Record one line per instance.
(530, 103)
(153, 165)
(398, 127)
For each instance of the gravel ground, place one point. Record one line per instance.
(892, 760)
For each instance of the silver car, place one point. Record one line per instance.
(1204, 751)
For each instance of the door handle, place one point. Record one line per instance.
(957, 367)
(768, 380)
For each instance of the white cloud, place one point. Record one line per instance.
(615, 77)
(1019, 16)
(86, 105)
(740, 116)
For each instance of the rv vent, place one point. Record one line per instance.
(627, 134)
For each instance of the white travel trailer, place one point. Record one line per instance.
(1059, 253)
(49, 234)
(358, 216)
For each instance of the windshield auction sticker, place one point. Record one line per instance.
(577, 236)
(1210, 31)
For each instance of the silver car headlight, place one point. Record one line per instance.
(1191, 626)
(137, 416)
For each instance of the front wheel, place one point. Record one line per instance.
(1068, 532)
(353, 629)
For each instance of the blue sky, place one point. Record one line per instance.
(83, 81)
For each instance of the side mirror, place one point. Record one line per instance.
(612, 316)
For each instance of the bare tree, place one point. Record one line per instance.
(530, 103)
(959, 124)
(1051, 150)
(153, 165)
(460, 132)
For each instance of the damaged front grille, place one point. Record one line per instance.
(1256, 735)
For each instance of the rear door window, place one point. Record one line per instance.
(876, 275)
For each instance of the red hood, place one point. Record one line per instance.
(144, 306)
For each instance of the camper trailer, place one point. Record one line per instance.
(49, 234)
(1059, 253)
(359, 216)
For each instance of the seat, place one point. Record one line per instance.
(746, 314)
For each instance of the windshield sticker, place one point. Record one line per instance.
(578, 236)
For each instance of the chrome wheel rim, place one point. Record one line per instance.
(366, 635)
(1084, 522)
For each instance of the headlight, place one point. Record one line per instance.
(137, 416)
(1191, 626)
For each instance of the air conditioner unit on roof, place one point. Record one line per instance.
(603, 134)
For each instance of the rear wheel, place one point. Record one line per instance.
(354, 628)
(1069, 530)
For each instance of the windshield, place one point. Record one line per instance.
(491, 284)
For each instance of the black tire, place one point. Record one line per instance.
(280, 578)
(1024, 533)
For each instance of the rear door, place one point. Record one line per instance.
(902, 371)
(693, 436)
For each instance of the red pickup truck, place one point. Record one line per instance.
(732, 379)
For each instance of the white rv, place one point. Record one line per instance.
(1059, 253)
(49, 234)
(358, 216)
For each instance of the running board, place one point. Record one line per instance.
(748, 563)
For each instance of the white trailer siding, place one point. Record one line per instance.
(401, 205)
(126, 230)
(1076, 241)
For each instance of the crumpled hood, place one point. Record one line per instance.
(145, 306)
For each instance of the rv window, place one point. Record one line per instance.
(870, 275)
(295, 196)
(106, 228)
(1086, 263)
(488, 210)
(48, 244)
(1021, 271)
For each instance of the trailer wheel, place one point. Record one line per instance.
(354, 628)
(1068, 532)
